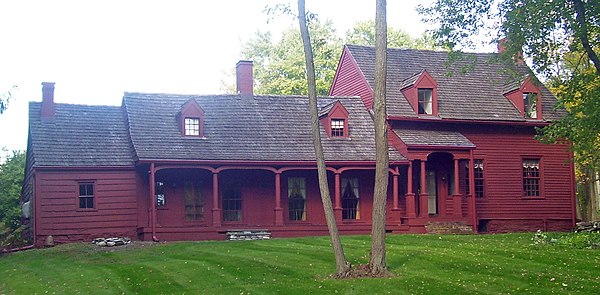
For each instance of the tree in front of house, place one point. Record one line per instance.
(11, 179)
(562, 40)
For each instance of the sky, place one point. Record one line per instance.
(96, 50)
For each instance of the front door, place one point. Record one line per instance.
(432, 191)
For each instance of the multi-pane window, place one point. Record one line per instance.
(159, 188)
(425, 101)
(530, 104)
(194, 203)
(232, 204)
(192, 126)
(297, 198)
(350, 198)
(478, 170)
(531, 178)
(337, 127)
(86, 195)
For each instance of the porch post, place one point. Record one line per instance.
(278, 209)
(457, 198)
(395, 209)
(216, 211)
(153, 202)
(410, 195)
(423, 197)
(471, 198)
(337, 209)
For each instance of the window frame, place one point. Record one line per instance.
(93, 196)
(195, 124)
(234, 189)
(479, 181)
(530, 106)
(430, 102)
(303, 216)
(347, 211)
(540, 178)
(337, 132)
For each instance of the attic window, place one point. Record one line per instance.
(192, 126)
(530, 104)
(337, 127)
(425, 101)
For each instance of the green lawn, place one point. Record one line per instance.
(423, 264)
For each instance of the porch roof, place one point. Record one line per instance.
(434, 138)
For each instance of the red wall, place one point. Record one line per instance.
(349, 81)
(57, 210)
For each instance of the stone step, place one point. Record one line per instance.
(248, 234)
(448, 228)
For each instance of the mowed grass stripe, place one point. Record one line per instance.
(423, 264)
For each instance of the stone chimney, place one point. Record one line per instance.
(244, 76)
(47, 100)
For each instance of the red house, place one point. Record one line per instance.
(185, 167)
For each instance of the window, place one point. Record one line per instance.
(425, 101)
(530, 105)
(350, 197)
(232, 204)
(297, 198)
(86, 196)
(337, 127)
(192, 126)
(531, 178)
(478, 177)
(159, 189)
(194, 203)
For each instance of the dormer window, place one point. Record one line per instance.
(425, 101)
(525, 95)
(530, 100)
(192, 126)
(420, 90)
(334, 119)
(337, 127)
(191, 119)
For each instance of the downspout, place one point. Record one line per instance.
(153, 202)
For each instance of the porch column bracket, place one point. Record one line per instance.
(337, 209)
(278, 209)
(423, 197)
(216, 211)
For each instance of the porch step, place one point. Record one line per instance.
(448, 228)
(248, 234)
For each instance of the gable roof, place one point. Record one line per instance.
(262, 128)
(79, 135)
(476, 94)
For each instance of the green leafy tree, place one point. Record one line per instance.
(11, 178)
(5, 98)
(363, 33)
(561, 38)
(279, 66)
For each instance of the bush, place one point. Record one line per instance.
(580, 240)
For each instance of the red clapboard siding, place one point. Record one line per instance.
(59, 214)
(349, 81)
(503, 149)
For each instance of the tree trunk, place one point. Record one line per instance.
(377, 262)
(342, 266)
(582, 33)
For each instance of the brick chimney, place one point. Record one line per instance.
(518, 57)
(47, 100)
(244, 76)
